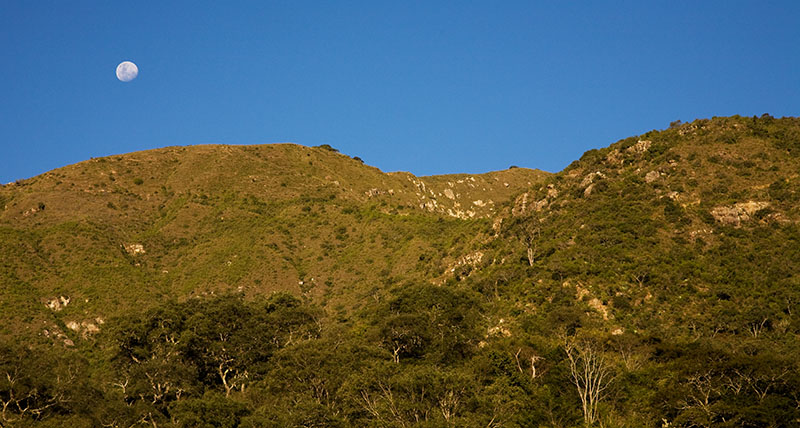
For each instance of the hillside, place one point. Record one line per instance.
(119, 232)
(700, 210)
(651, 283)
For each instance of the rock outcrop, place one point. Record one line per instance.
(736, 214)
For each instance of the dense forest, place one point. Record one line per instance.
(652, 283)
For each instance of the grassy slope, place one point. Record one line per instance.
(212, 219)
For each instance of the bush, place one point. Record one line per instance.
(327, 147)
(781, 191)
(212, 410)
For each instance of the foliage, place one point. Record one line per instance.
(652, 283)
(327, 147)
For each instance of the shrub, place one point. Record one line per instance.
(327, 147)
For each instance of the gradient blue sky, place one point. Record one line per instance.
(429, 87)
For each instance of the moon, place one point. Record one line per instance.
(127, 71)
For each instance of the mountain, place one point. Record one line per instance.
(651, 283)
(125, 231)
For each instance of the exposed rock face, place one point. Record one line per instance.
(652, 176)
(58, 303)
(591, 178)
(640, 147)
(520, 204)
(85, 328)
(734, 215)
(134, 249)
(540, 205)
(374, 192)
(471, 259)
(371, 193)
(593, 302)
(465, 197)
(598, 306)
(617, 157)
(461, 214)
(497, 224)
(499, 330)
(90, 327)
(30, 212)
(57, 334)
(614, 158)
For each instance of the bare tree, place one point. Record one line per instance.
(383, 406)
(448, 404)
(32, 392)
(755, 328)
(640, 276)
(533, 358)
(702, 391)
(530, 237)
(591, 375)
(229, 371)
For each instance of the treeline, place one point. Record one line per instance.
(425, 356)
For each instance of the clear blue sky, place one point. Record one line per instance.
(429, 87)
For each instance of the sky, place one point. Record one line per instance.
(430, 87)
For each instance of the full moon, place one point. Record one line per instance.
(127, 71)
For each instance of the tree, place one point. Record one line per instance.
(414, 395)
(405, 335)
(211, 410)
(151, 371)
(230, 341)
(38, 383)
(428, 321)
(530, 232)
(180, 351)
(591, 374)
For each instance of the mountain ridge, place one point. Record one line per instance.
(148, 211)
(666, 262)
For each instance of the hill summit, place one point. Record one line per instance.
(651, 283)
(183, 221)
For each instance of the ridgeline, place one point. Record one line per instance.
(651, 283)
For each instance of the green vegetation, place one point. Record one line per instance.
(327, 147)
(652, 283)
